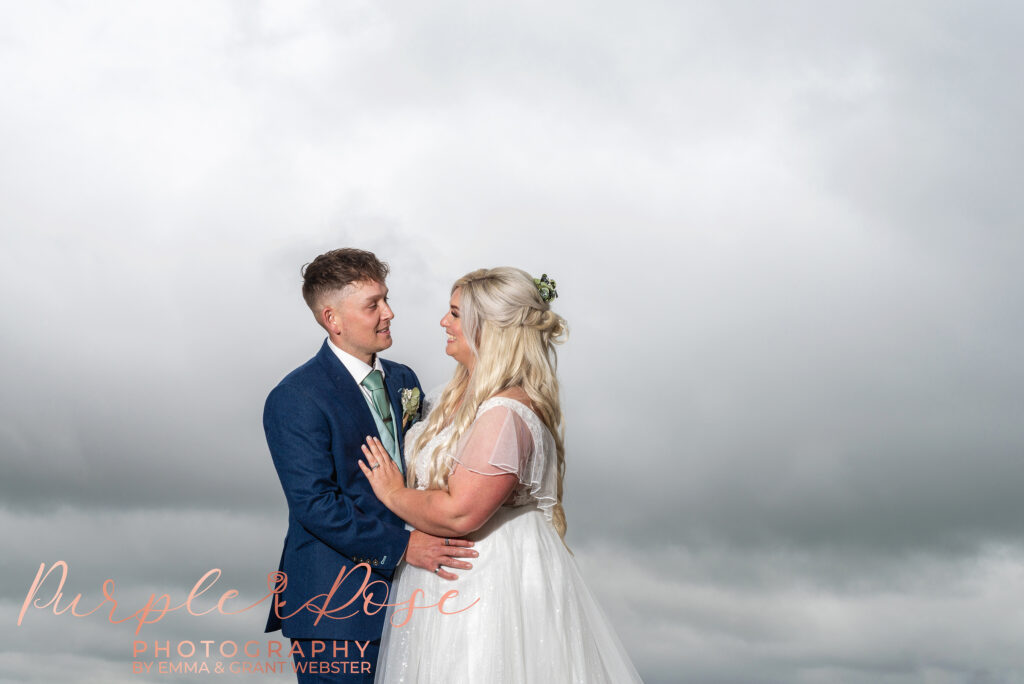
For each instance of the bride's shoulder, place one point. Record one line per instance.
(514, 400)
(516, 394)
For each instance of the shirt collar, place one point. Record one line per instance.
(356, 367)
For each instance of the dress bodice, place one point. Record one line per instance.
(536, 465)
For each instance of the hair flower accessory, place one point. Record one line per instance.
(546, 287)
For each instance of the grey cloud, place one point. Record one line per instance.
(785, 239)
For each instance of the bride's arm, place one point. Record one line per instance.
(483, 477)
(470, 501)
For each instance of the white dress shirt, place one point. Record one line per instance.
(357, 367)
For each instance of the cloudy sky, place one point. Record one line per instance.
(787, 240)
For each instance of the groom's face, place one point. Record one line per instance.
(359, 319)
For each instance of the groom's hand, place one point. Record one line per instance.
(432, 553)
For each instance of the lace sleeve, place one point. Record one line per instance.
(500, 442)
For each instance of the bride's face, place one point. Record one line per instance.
(457, 348)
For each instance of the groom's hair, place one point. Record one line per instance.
(329, 273)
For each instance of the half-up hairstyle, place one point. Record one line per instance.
(513, 333)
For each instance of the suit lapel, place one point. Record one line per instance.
(393, 384)
(350, 396)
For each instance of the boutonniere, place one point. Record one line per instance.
(410, 406)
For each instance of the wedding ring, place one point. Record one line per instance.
(437, 569)
(375, 466)
(447, 541)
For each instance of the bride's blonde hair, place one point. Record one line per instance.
(512, 332)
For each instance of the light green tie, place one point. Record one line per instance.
(375, 383)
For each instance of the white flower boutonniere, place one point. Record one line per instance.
(410, 406)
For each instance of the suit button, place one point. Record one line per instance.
(375, 562)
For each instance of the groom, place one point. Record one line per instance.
(315, 421)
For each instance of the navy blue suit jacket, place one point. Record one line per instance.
(315, 421)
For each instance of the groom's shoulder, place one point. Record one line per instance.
(399, 370)
(307, 376)
(392, 366)
(300, 392)
(307, 371)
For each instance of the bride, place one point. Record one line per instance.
(487, 464)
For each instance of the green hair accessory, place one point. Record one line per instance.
(546, 288)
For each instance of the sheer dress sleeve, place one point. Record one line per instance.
(501, 442)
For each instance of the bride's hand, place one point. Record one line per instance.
(381, 470)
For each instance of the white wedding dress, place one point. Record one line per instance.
(535, 622)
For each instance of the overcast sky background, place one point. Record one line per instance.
(787, 238)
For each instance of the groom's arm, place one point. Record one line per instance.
(299, 436)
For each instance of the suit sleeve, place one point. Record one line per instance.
(299, 437)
